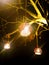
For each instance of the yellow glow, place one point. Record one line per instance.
(42, 20)
(25, 30)
(37, 51)
(39, 19)
(37, 10)
(7, 46)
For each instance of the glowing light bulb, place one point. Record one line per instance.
(7, 46)
(38, 51)
(25, 30)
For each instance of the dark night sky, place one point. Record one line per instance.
(19, 53)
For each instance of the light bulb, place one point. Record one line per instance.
(38, 51)
(25, 30)
(7, 46)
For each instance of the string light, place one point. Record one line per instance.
(38, 51)
(25, 29)
(7, 46)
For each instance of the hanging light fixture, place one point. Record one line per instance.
(7, 46)
(25, 29)
(38, 51)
